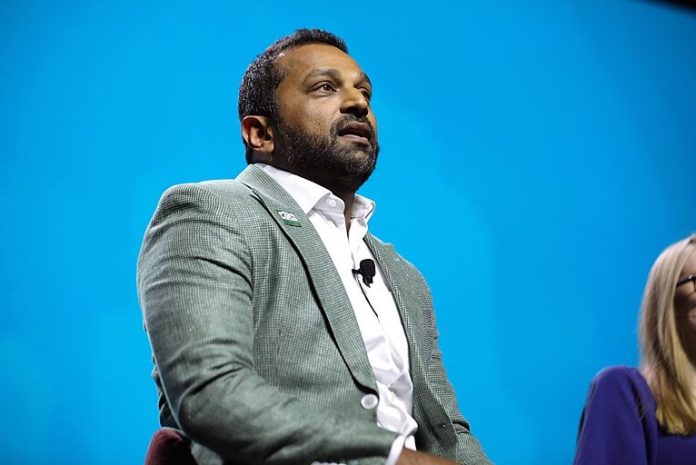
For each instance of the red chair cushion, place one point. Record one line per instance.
(169, 447)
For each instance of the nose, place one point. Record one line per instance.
(355, 103)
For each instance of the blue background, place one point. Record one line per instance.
(536, 157)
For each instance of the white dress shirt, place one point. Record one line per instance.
(374, 306)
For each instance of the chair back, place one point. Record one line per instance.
(169, 447)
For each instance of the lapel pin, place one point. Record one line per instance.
(289, 218)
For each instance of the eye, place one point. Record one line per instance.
(325, 87)
(366, 93)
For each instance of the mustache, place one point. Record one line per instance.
(345, 120)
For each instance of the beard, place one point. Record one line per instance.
(339, 166)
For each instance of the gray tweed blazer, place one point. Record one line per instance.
(258, 355)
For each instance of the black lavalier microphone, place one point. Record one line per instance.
(367, 270)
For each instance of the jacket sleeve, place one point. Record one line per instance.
(613, 427)
(468, 449)
(195, 286)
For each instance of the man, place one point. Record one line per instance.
(282, 332)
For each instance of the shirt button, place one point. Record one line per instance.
(369, 401)
(332, 203)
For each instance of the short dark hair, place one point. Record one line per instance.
(262, 77)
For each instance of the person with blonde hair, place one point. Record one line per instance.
(648, 416)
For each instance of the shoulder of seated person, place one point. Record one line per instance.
(619, 375)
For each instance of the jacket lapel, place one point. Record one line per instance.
(322, 274)
(390, 264)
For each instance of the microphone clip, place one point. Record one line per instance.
(367, 271)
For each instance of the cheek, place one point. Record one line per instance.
(314, 120)
(686, 315)
(691, 319)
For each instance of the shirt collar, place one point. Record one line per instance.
(311, 196)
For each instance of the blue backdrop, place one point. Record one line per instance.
(536, 157)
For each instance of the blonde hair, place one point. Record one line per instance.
(664, 362)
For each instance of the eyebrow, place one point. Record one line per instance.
(335, 75)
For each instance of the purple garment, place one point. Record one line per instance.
(618, 425)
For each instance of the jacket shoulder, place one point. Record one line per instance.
(223, 189)
(219, 196)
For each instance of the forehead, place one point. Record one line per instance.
(299, 62)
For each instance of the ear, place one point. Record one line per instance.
(258, 133)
